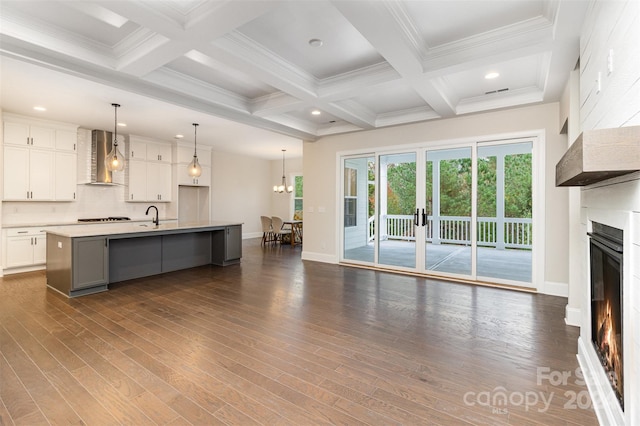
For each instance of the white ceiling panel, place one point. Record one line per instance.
(287, 30)
(514, 74)
(446, 21)
(389, 99)
(381, 62)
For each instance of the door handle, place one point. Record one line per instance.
(424, 218)
(415, 217)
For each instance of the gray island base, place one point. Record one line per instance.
(85, 259)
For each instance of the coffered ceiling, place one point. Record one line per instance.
(268, 64)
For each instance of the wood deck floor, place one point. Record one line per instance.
(276, 340)
(513, 265)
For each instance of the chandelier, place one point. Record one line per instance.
(283, 187)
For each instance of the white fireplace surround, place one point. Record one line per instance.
(617, 206)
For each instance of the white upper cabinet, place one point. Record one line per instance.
(32, 169)
(26, 134)
(185, 155)
(159, 152)
(66, 140)
(28, 174)
(137, 149)
(65, 176)
(149, 175)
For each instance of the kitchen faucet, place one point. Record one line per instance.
(155, 220)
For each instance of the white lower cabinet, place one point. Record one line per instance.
(24, 247)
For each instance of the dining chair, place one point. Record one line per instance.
(279, 231)
(267, 230)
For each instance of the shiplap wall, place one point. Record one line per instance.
(610, 97)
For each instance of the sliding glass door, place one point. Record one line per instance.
(397, 217)
(448, 242)
(505, 212)
(470, 207)
(358, 207)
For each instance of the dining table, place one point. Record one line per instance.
(296, 231)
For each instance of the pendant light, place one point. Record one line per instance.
(283, 185)
(194, 167)
(115, 160)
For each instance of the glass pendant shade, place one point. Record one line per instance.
(114, 161)
(194, 168)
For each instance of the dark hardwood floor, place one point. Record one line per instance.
(279, 341)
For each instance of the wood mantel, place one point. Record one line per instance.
(600, 154)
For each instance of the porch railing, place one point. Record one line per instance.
(515, 232)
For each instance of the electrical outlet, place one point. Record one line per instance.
(59, 244)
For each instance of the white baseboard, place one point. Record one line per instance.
(319, 257)
(572, 316)
(555, 289)
(11, 271)
(246, 236)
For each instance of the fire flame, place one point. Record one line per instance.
(609, 345)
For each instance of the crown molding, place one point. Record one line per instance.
(500, 100)
(29, 31)
(353, 83)
(407, 26)
(174, 80)
(275, 103)
(532, 32)
(272, 69)
(410, 115)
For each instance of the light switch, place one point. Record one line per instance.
(59, 244)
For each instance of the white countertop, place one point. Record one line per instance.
(75, 223)
(121, 228)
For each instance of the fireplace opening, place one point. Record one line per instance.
(606, 303)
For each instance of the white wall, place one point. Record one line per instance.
(242, 190)
(320, 168)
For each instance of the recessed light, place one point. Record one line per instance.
(492, 75)
(122, 124)
(179, 136)
(316, 112)
(315, 42)
(39, 108)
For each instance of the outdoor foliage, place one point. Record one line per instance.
(455, 187)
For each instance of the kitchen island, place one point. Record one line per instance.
(85, 259)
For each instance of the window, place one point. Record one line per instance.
(350, 196)
(297, 197)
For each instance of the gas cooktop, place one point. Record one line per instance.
(105, 219)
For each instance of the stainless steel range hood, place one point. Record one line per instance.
(101, 142)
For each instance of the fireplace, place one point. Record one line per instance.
(606, 303)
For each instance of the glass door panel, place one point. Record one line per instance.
(359, 209)
(448, 211)
(504, 206)
(397, 210)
